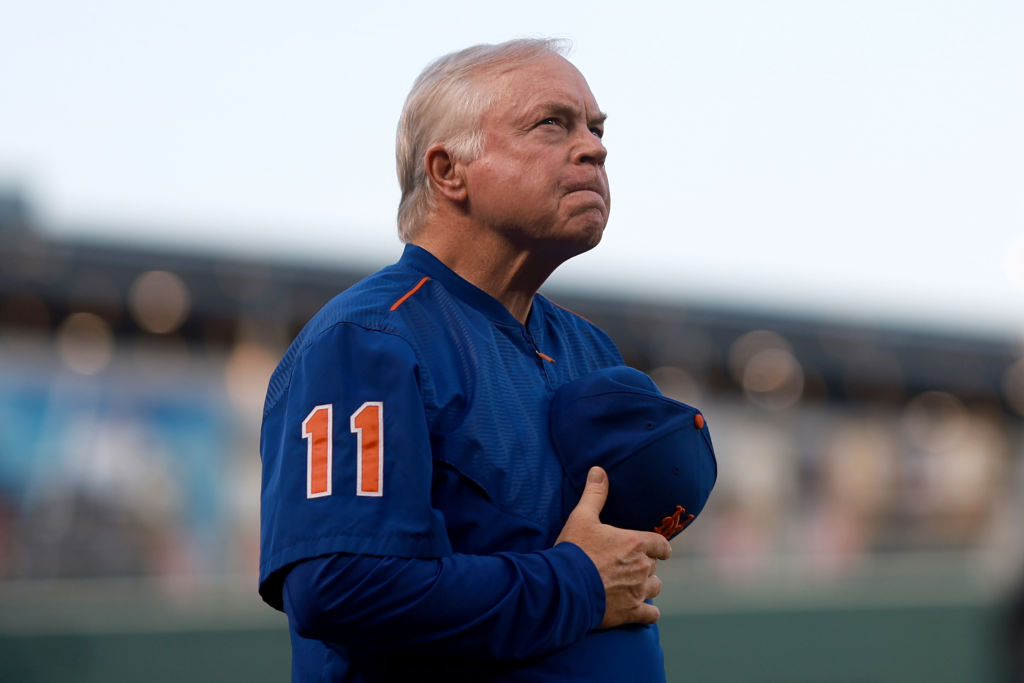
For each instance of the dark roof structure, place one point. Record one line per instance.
(45, 279)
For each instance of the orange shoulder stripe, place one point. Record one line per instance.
(568, 310)
(412, 291)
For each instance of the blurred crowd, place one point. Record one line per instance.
(131, 396)
(128, 456)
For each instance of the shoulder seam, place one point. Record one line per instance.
(402, 299)
(569, 311)
(313, 337)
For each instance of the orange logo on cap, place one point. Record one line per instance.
(671, 525)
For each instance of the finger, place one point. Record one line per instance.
(595, 493)
(645, 613)
(652, 588)
(654, 568)
(656, 546)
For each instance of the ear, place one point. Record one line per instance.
(445, 174)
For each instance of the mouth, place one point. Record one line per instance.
(585, 201)
(596, 188)
(589, 194)
(587, 197)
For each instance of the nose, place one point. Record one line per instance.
(590, 149)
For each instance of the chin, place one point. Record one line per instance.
(583, 239)
(593, 227)
(593, 237)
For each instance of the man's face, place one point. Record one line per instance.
(541, 180)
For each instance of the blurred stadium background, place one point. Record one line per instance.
(865, 525)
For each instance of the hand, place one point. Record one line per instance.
(626, 560)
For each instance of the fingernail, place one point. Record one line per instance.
(596, 475)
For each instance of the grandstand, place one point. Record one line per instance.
(865, 526)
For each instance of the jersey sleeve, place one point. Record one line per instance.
(506, 606)
(346, 455)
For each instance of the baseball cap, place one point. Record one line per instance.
(657, 451)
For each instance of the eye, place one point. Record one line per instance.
(549, 121)
(597, 131)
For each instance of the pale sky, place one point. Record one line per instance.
(863, 159)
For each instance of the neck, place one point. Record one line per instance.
(510, 274)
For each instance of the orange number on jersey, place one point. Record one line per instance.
(367, 424)
(317, 429)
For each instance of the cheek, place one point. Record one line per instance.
(491, 186)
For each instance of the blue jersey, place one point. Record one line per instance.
(405, 446)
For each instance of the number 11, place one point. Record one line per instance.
(367, 424)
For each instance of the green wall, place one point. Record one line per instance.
(862, 645)
(928, 644)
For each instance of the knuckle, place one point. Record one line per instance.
(635, 543)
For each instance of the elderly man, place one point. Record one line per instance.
(412, 511)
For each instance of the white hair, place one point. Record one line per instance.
(446, 105)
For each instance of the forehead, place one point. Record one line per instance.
(547, 79)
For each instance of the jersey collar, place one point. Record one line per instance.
(420, 259)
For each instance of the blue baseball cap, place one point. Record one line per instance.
(657, 451)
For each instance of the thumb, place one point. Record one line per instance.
(595, 493)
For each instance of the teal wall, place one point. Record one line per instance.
(853, 645)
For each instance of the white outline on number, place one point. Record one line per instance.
(379, 405)
(309, 436)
